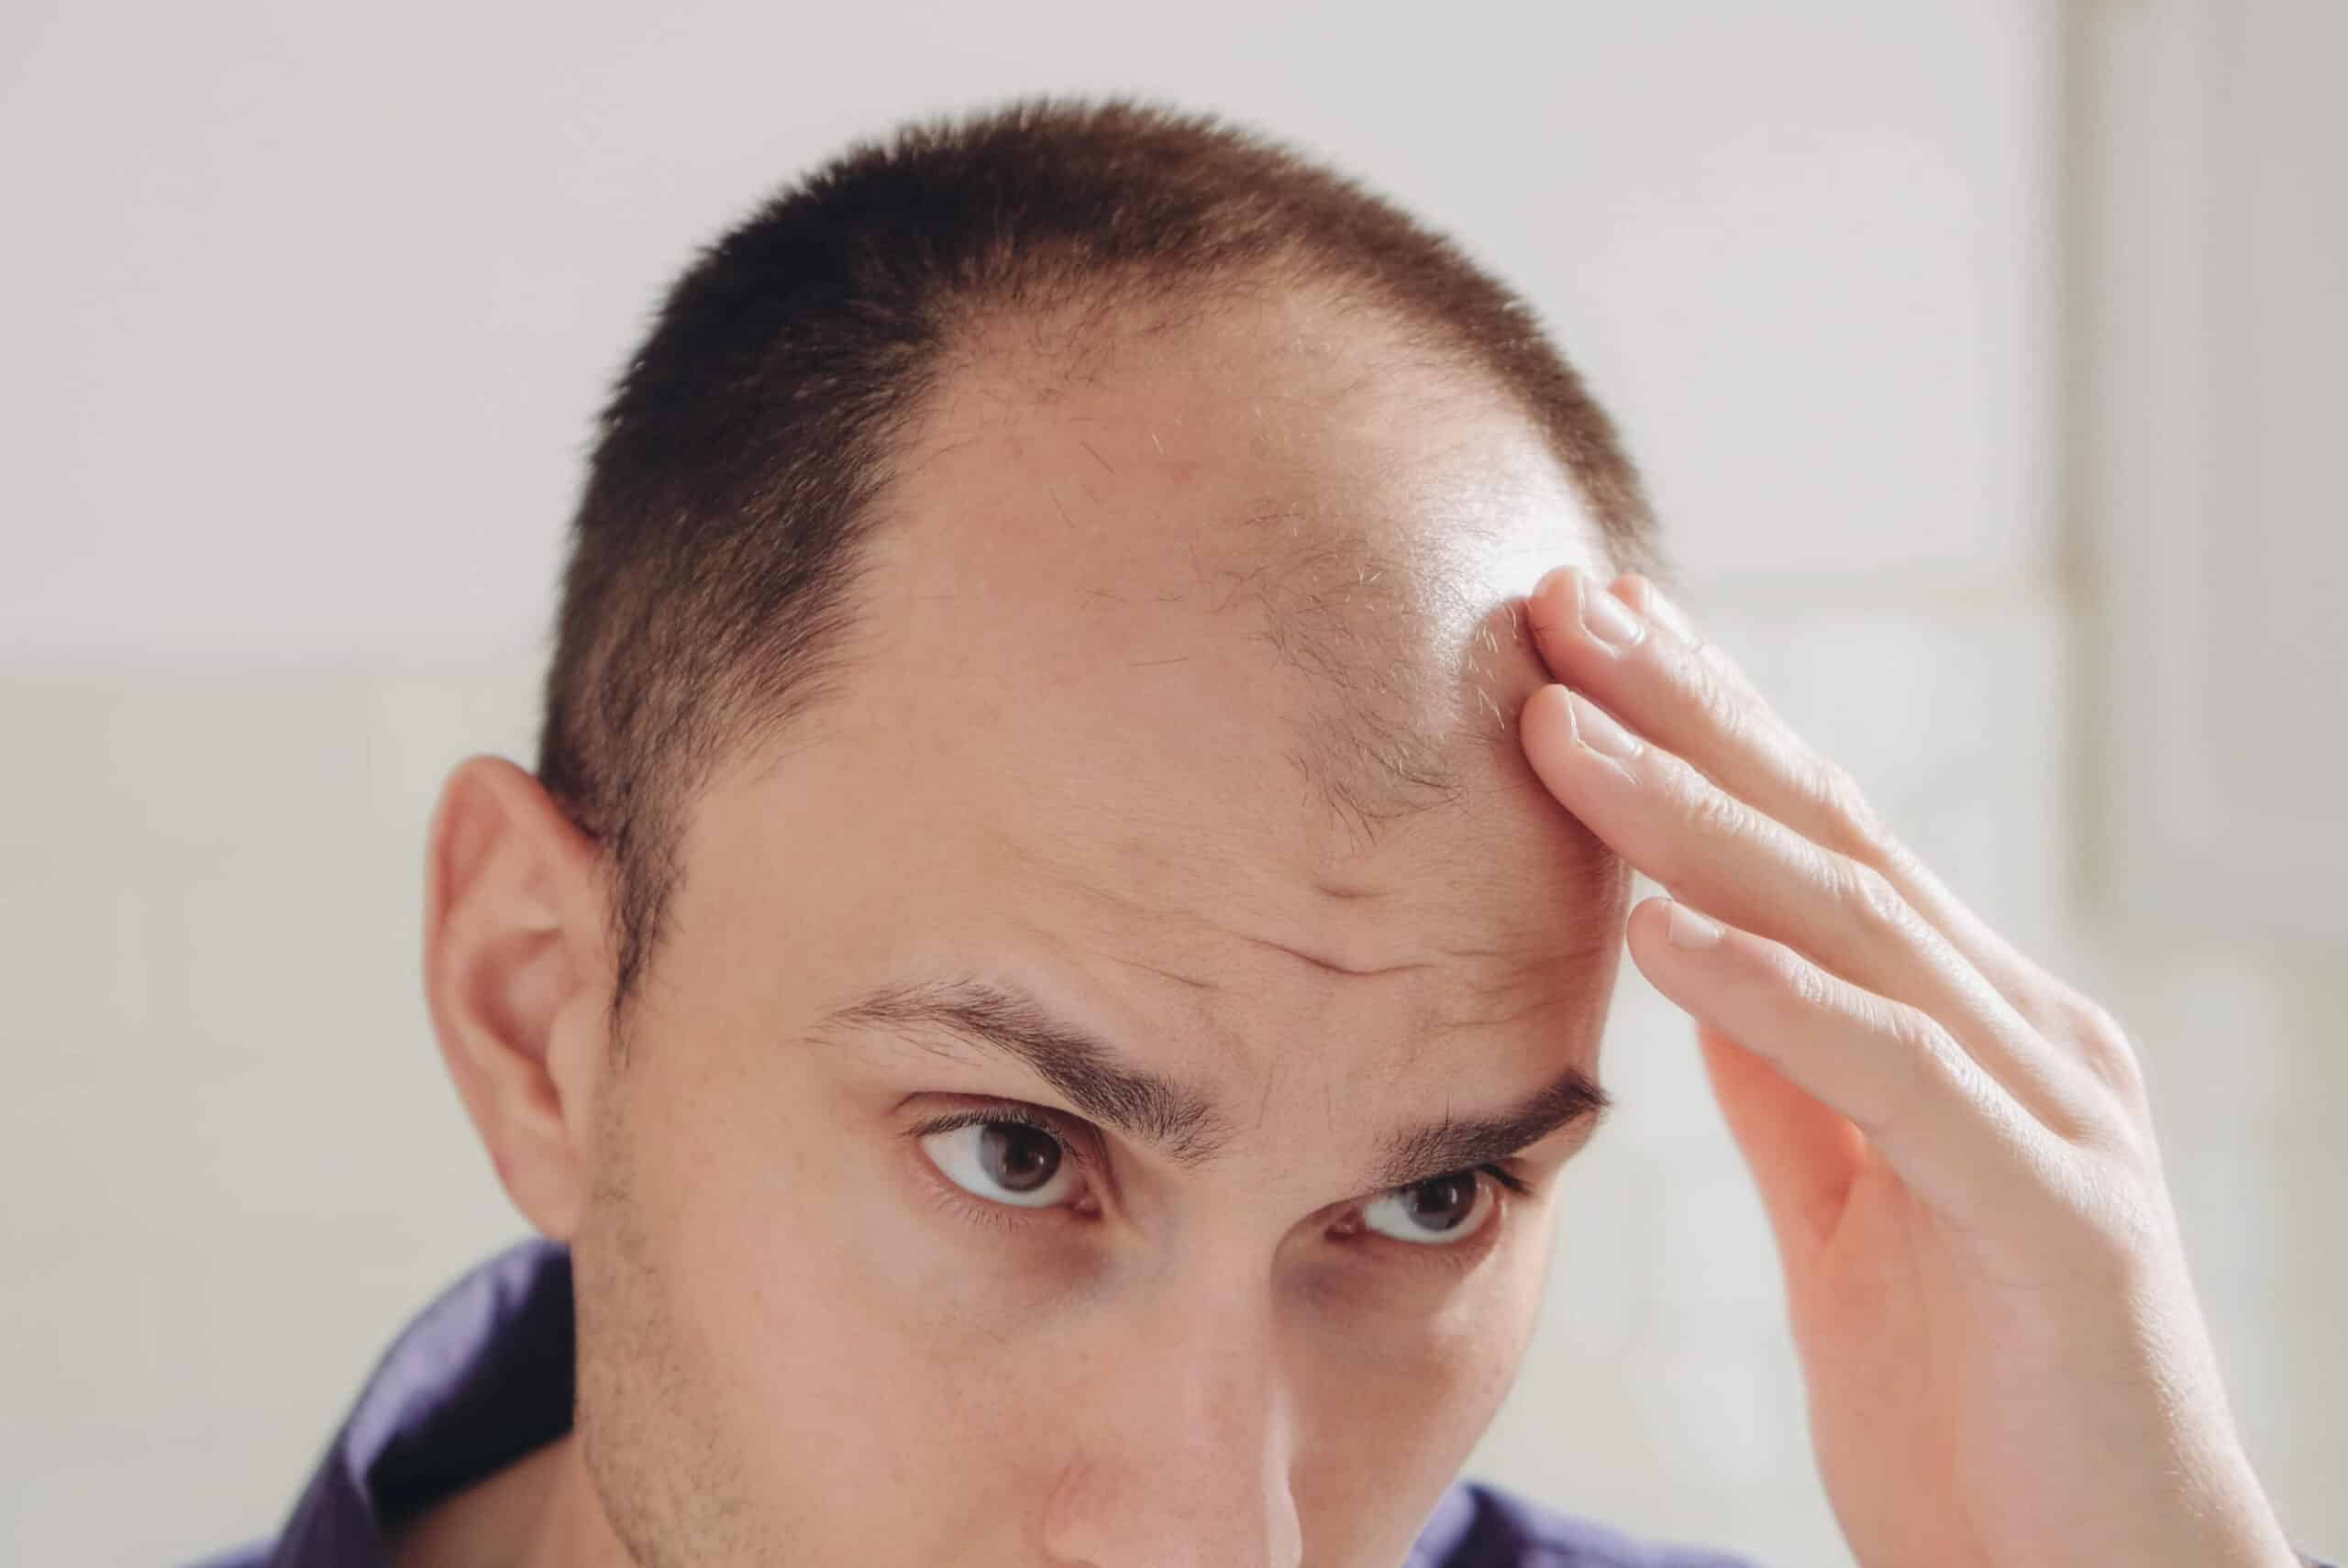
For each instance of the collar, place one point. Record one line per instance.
(479, 1379)
(482, 1376)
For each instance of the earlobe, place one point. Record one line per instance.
(516, 967)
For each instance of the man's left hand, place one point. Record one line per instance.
(2005, 1360)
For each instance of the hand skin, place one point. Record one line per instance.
(2005, 1360)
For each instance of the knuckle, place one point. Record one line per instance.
(1922, 1054)
(1715, 697)
(2092, 1023)
(1922, 1042)
(1716, 812)
(1870, 894)
(1792, 980)
(1806, 985)
(2115, 1229)
(1850, 823)
(2104, 1045)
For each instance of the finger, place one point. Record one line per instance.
(1695, 704)
(1643, 596)
(1926, 1108)
(1710, 847)
(2064, 1016)
(1690, 697)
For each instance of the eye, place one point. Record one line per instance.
(1435, 1212)
(1003, 1161)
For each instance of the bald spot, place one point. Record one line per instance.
(1227, 620)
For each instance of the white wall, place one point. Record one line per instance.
(307, 309)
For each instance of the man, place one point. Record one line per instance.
(1050, 972)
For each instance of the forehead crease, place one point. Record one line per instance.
(1484, 900)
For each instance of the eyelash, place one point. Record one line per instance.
(1000, 1216)
(1073, 1147)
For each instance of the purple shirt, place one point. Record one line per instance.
(484, 1375)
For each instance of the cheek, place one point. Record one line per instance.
(869, 1351)
(1396, 1405)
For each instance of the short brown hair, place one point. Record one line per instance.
(739, 457)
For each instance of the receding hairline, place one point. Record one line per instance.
(1366, 759)
(711, 573)
(1360, 742)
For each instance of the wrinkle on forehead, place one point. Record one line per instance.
(1214, 666)
(1487, 868)
(1490, 922)
(1457, 935)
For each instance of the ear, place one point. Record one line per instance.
(517, 974)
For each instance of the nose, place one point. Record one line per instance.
(1187, 1444)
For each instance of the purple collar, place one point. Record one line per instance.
(479, 1379)
(484, 1375)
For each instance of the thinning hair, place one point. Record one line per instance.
(737, 464)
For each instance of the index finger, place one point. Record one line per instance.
(1649, 665)
(1693, 701)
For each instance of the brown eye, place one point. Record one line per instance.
(1435, 1212)
(1017, 1156)
(1005, 1162)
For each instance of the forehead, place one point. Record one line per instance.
(1196, 667)
(1291, 512)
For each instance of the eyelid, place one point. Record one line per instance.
(1086, 1143)
(1500, 1171)
(1069, 1130)
(1078, 1139)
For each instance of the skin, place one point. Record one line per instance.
(1107, 617)
(2005, 1359)
(1103, 618)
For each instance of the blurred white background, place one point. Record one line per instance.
(307, 308)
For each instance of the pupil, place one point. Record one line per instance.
(1444, 1202)
(1016, 1156)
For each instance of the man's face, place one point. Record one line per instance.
(1055, 1127)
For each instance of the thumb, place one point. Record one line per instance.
(1803, 1156)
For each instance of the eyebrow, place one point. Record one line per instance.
(1177, 1120)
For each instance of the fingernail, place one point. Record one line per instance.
(1686, 928)
(1607, 618)
(1596, 729)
